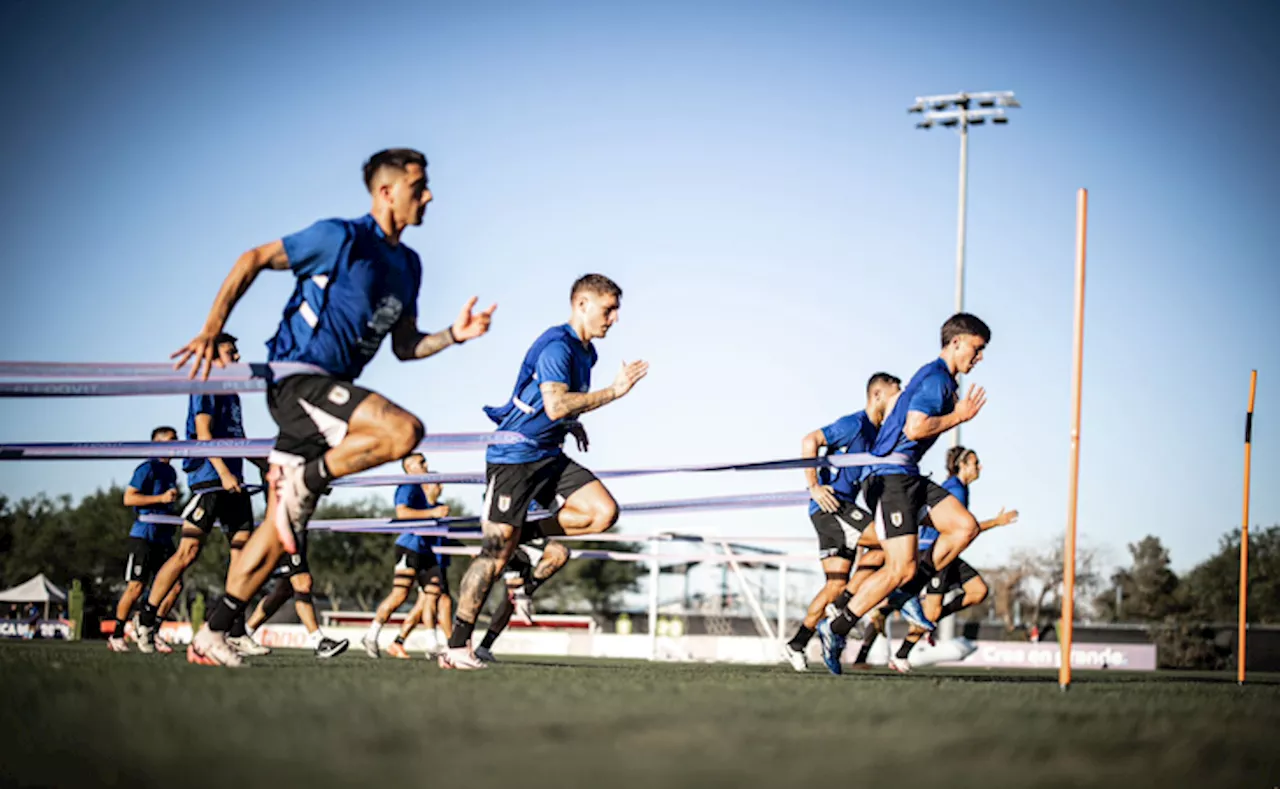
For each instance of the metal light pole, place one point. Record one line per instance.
(963, 110)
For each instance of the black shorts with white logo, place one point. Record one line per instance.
(145, 559)
(511, 486)
(424, 565)
(292, 564)
(839, 531)
(953, 576)
(900, 502)
(312, 412)
(232, 511)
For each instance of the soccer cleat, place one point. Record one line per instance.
(331, 648)
(397, 650)
(521, 605)
(832, 647)
(859, 631)
(117, 644)
(145, 638)
(913, 612)
(484, 654)
(247, 647)
(370, 644)
(210, 648)
(294, 506)
(162, 646)
(795, 657)
(900, 665)
(461, 658)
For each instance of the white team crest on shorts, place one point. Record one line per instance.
(895, 518)
(296, 560)
(857, 515)
(339, 395)
(198, 514)
(504, 503)
(935, 582)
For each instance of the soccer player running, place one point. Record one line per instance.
(218, 494)
(552, 389)
(152, 490)
(899, 495)
(838, 520)
(293, 580)
(415, 561)
(963, 469)
(355, 283)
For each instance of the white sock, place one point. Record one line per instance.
(248, 631)
(374, 630)
(314, 637)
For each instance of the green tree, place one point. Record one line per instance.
(596, 585)
(1210, 591)
(1146, 591)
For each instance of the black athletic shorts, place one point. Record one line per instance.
(292, 564)
(900, 502)
(839, 531)
(145, 559)
(424, 565)
(312, 412)
(953, 576)
(232, 511)
(511, 486)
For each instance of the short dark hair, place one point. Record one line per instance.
(596, 283)
(224, 337)
(396, 158)
(404, 464)
(955, 457)
(159, 431)
(882, 379)
(964, 323)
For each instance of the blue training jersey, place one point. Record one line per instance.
(953, 485)
(151, 479)
(226, 423)
(413, 497)
(852, 433)
(558, 356)
(352, 287)
(932, 392)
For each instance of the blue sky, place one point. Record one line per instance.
(746, 171)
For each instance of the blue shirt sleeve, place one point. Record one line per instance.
(554, 364)
(314, 251)
(929, 397)
(842, 432)
(202, 404)
(140, 476)
(404, 495)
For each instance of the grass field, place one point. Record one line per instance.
(76, 715)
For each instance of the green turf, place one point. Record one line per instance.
(75, 715)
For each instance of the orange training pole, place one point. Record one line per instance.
(1077, 374)
(1244, 529)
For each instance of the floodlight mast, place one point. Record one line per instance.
(949, 111)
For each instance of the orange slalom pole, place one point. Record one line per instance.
(1077, 375)
(1244, 529)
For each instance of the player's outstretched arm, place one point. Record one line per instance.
(560, 403)
(408, 343)
(201, 351)
(1004, 518)
(921, 426)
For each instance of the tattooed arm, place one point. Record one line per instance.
(560, 403)
(408, 343)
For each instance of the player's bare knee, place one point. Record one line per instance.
(976, 592)
(903, 574)
(301, 584)
(604, 515)
(556, 553)
(403, 434)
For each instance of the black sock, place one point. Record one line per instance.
(842, 624)
(461, 633)
(865, 651)
(237, 627)
(917, 583)
(842, 600)
(489, 637)
(905, 649)
(531, 585)
(801, 638)
(225, 613)
(316, 476)
(118, 632)
(400, 640)
(149, 615)
(953, 607)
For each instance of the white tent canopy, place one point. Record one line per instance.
(34, 590)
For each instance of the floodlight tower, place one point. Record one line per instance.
(963, 110)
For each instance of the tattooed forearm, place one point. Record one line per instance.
(409, 343)
(431, 344)
(560, 403)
